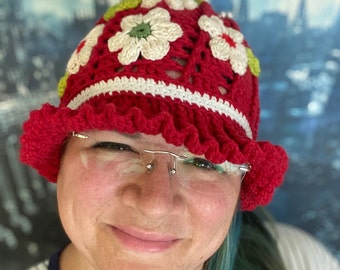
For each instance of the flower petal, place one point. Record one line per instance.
(176, 4)
(149, 3)
(152, 44)
(157, 15)
(220, 49)
(80, 57)
(211, 25)
(131, 21)
(130, 52)
(239, 60)
(225, 43)
(238, 66)
(154, 49)
(118, 41)
(237, 36)
(190, 4)
(167, 31)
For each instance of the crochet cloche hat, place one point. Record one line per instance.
(169, 67)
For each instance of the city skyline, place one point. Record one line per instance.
(300, 94)
(321, 14)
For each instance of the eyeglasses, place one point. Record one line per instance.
(195, 173)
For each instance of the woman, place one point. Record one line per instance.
(153, 146)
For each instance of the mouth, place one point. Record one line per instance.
(142, 241)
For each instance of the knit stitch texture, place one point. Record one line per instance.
(170, 67)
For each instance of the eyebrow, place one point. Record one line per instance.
(135, 136)
(138, 136)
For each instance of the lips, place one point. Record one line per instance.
(142, 241)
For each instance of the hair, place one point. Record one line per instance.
(225, 256)
(248, 246)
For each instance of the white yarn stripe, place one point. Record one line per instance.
(150, 86)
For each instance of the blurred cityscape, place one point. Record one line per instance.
(300, 96)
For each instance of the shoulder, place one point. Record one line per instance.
(300, 250)
(51, 264)
(40, 266)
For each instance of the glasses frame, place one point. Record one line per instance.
(244, 168)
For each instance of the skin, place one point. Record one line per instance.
(144, 222)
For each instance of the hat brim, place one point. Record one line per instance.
(218, 138)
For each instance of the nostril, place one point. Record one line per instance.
(131, 194)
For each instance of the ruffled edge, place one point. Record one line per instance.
(47, 129)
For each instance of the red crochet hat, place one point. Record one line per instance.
(170, 67)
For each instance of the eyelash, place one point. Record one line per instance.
(113, 146)
(199, 163)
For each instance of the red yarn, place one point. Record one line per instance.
(191, 95)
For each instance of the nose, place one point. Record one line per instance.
(154, 194)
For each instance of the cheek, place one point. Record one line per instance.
(216, 207)
(81, 180)
(216, 210)
(212, 216)
(83, 195)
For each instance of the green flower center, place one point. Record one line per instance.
(142, 30)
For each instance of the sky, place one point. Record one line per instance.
(322, 13)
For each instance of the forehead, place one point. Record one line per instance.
(111, 134)
(154, 141)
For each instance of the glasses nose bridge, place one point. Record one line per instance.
(172, 160)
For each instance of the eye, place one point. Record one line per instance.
(201, 163)
(113, 147)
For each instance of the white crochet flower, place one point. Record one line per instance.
(149, 35)
(82, 54)
(173, 4)
(226, 43)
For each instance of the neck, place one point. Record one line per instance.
(70, 259)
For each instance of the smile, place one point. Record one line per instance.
(142, 241)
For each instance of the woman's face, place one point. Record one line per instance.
(119, 215)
